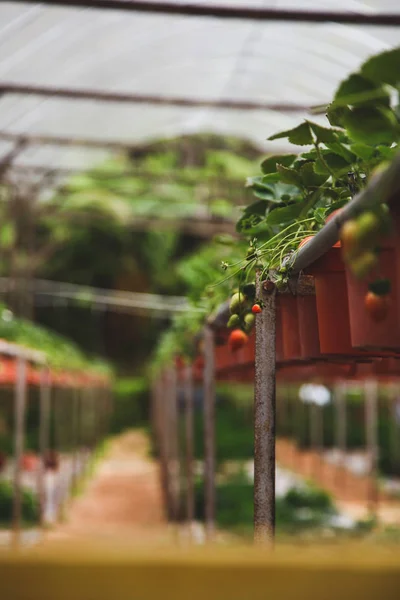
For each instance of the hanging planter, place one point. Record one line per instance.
(289, 323)
(378, 334)
(331, 302)
(308, 320)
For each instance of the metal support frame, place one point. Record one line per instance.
(192, 9)
(317, 436)
(371, 435)
(44, 431)
(189, 451)
(341, 432)
(130, 98)
(19, 435)
(264, 418)
(209, 399)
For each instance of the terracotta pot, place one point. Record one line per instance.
(308, 326)
(395, 273)
(289, 322)
(366, 333)
(332, 306)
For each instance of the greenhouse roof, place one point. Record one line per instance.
(200, 59)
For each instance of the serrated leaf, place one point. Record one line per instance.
(383, 68)
(363, 151)
(372, 125)
(299, 136)
(323, 134)
(269, 164)
(357, 90)
(283, 215)
(290, 176)
(310, 177)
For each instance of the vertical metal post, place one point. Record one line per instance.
(341, 432)
(209, 433)
(371, 431)
(75, 435)
(317, 436)
(19, 425)
(44, 431)
(173, 442)
(189, 429)
(162, 440)
(394, 427)
(264, 417)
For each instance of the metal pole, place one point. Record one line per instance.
(209, 433)
(341, 432)
(371, 421)
(19, 425)
(264, 417)
(317, 437)
(75, 435)
(162, 443)
(189, 430)
(193, 9)
(44, 431)
(394, 427)
(8, 87)
(173, 432)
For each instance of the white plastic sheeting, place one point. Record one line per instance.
(168, 55)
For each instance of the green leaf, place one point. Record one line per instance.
(343, 151)
(299, 136)
(262, 194)
(310, 177)
(357, 90)
(336, 114)
(7, 236)
(371, 125)
(271, 178)
(283, 190)
(323, 134)
(290, 176)
(384, 67)
(363, 151)
(257, 208)
(269, 164)
(283, 215)
(332, 163)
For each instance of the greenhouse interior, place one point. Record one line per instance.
(199, 311)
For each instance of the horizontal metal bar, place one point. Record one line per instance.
(190, 9)
(130, 98)
(17, 351)
(382, 188)
(59, 289)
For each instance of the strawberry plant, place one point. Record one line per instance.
(297, 192)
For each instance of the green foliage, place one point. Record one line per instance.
(30, 505)
(131, 404)
(298, 510)
(60, 352)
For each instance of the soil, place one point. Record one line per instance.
(122, 502)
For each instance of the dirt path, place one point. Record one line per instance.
(122, 503)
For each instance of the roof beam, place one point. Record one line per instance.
(131, 98)
(193, 9)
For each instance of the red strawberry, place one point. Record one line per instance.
(237, 339)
